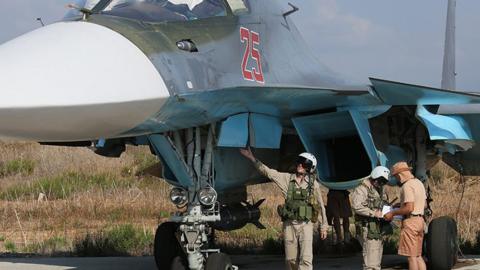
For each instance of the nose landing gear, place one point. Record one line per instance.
(181, 245)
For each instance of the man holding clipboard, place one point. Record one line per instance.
(368, 200)
(412, 204)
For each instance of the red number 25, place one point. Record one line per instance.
(252, 39)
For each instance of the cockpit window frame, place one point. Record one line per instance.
(102, 4)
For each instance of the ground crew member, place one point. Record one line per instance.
(412, 201)
(367, 202)
(338, 207)
(303, 207)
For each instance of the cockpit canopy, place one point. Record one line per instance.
(160, 10)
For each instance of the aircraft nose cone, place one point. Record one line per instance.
(75, 81)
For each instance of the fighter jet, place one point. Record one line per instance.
(198, 79)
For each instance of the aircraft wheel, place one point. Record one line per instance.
(219, 261)
(178, 263)
(442, 243)
(166, 247)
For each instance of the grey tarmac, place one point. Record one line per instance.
(244, 262)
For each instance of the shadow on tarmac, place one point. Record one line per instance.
(245, 262)
(75, 263)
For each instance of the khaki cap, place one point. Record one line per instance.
(399, 167)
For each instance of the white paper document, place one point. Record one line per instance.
(388, 208)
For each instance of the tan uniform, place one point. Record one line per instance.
(372, 248)
(297, 233)
(411, 235)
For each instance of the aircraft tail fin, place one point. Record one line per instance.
(449, 73)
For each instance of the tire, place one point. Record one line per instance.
(166, 247)
(442, 243)
(178, 263)
(219, 261)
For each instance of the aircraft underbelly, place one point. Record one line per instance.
(74, 81)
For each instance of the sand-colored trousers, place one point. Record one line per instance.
(298, 245)
(372, 251)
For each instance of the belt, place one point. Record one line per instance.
(412, 215)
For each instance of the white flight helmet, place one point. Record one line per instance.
(307, 160)
(380, 171)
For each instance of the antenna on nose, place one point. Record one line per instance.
(41, 22)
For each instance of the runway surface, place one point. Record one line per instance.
(243, 262)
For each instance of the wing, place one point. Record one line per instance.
(349, 130)
(451, 118)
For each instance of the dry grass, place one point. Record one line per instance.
(106, 194)
(447, 189)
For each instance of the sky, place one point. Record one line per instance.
(398, 40)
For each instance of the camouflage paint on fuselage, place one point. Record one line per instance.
(286, 60)
(209, 84)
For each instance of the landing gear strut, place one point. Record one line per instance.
(183, 241)
(181, 244)
(194, 234)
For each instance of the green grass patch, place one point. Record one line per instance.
(251, 240)
(54, 245)
(17, 166)
(127, 171)
(10, 247)
(273, 246)
(2, 238)
(141, 161)
(144, 160)
(120, 240)
(116, 214)
(250, 231)
(61, 187)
